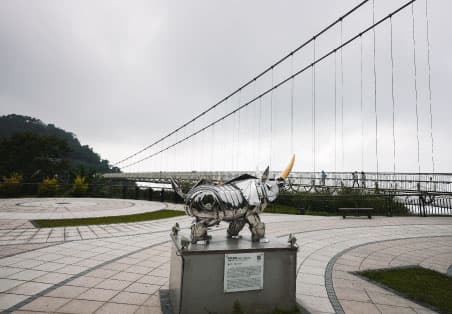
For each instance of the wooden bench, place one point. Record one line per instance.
(355, 212)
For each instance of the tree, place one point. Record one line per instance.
(78, 156)
(34, 156)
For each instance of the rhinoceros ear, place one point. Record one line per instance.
(265, 174)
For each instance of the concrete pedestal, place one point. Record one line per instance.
(202, 279)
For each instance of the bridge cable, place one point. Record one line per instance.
(256, 129)
(416, 93)
(195, 148)
(375, 88)
(292, 87)
(393, 100)
(335, 112)
(233, 118)
(224, 149)
(191, 154)
(361, 103)
(212, 148)
(238, 131)
(284, 81)
(268, 69)
(259, 132)
(166, 157)
(161, 161)
(313, 111)
(429, 83)
(271, 119)
(342, 103)
(200, 149)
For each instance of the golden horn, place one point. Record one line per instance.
(285, 173)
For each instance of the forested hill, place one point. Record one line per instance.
(29, 145)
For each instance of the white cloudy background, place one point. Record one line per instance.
(121, 74)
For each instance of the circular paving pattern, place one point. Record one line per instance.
(52, 204)
(43, 205)
(58, 208)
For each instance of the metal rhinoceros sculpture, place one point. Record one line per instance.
(238, 201)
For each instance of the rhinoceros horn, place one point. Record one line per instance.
(265, 174)
(285, 173)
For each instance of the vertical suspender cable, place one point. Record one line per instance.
(335, 111)
(238, 130)
(212, 148)
(192, 151)
(201, 149)
(227, 148)
(292, 86)
(175, 154)
(233, 118)
(416, 94)
(429, 84)
(223, 149)
(271, 121)
(342, 102)
(220, 152)
(361, 103)
(375, 89)
(256, 141)
(393, 100)
(165, 158)
(259, 133)
(313, 111)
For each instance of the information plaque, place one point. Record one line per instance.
(243, 272)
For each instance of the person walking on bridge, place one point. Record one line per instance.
(363, 179)
(323, 178)
(355, 179)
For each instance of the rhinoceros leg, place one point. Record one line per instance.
(199, 230)
(257, 227)
(235, 227)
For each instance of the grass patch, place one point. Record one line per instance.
(417, 283)
(160, 214)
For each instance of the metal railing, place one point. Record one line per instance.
(320, 201)
(304, 181)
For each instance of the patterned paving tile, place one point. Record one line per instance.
(126, 265)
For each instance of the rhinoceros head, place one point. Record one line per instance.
(272, 186)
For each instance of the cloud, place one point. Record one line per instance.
(122, 74)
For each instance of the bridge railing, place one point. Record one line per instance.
(383, 203)
(322, 201)
(403, 182)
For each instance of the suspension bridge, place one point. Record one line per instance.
(353, 103)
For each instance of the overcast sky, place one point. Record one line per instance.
(120, 74)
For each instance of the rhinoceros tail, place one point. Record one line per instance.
(177, 188)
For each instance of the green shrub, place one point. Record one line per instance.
(80, 186)
(11, 186)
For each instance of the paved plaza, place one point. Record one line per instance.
(124, 268)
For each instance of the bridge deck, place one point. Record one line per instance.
(302, 181)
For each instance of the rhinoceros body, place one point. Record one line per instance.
(238, 201)
(229, 201)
